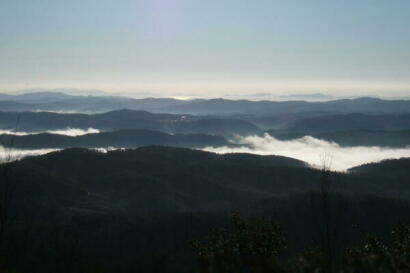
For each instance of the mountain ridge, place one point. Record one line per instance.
(64, 102)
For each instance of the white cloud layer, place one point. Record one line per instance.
(314, 151)
(9, 155)
(74, 131)
(67, 132)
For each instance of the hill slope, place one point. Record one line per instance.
(115, 139)
(182, 178)
(127, 119)
(135, 210)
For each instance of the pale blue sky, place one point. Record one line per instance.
(207, 47)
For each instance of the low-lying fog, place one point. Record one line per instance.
(314, 151)
(67, 132)
(7, 155)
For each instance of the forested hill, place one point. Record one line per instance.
(165, 177)
(140, 208)
(350, 122)
(388, 130)
(126, 119)
(353, 137)
(393, 168)
(116, 139)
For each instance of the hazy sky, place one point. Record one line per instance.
(207, 47)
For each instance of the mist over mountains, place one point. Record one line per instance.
(234, 136)
(67, 132)
(316, 152)
(122, 181)
(218, 125)
(51, 101)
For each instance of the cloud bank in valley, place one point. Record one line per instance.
(8, 155)
(67, 132)
(314, 151)
(74, 131)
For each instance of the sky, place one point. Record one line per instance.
(188, 48)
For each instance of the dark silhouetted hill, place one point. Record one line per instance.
(127, 119)
(351, 122)
(165, 177)
(346, 138)
(396, 168)
(116, 139)
(135, 210)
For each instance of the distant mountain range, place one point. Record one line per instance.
(391, 130)
(348, 138)
(36, 97)
(332, 123)
(127, 119)
(349, 122)
(263, 108)
(61, 102)
(57, 101)
(136, 209)
(309, 97)
(116, 139)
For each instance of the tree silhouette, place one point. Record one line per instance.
(249, 246)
